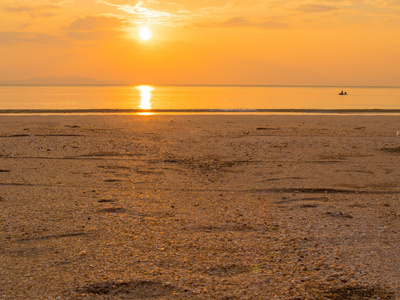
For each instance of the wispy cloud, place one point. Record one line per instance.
(34, 11)
(315, 8)
(141, 13)
(96, 22)
(243, 22)
(25, 25)
(93, 35)
(27, 37)
(96, 28)
(385, 3)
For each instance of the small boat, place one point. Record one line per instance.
(342, 93)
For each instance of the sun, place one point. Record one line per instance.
(145, 33)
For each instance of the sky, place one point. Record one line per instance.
(249, 42)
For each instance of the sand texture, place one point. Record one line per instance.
(199, 207)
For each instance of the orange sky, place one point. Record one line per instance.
(337, 42)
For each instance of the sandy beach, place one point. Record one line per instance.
(199, 207)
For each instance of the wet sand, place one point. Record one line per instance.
(199, 207)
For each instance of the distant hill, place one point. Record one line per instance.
(62, 81)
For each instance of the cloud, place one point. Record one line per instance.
(44, 11)
(96, 28)
(96, 22)
(25, 25)
(18, 9)
(313, 8)
(141, 13)
(243, 22)
(384, 8)
(93, 35)
(27, 37)
(385, 3)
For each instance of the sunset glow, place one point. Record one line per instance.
(202, 42)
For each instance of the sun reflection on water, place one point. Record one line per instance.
(145, 98)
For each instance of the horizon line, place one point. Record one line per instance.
(198, 85)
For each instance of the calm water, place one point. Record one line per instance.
(196, 98)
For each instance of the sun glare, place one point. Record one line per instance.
(145, 98)
(145, 33)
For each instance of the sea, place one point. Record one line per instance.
(152, 99)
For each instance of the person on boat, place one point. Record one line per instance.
(341, 93)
